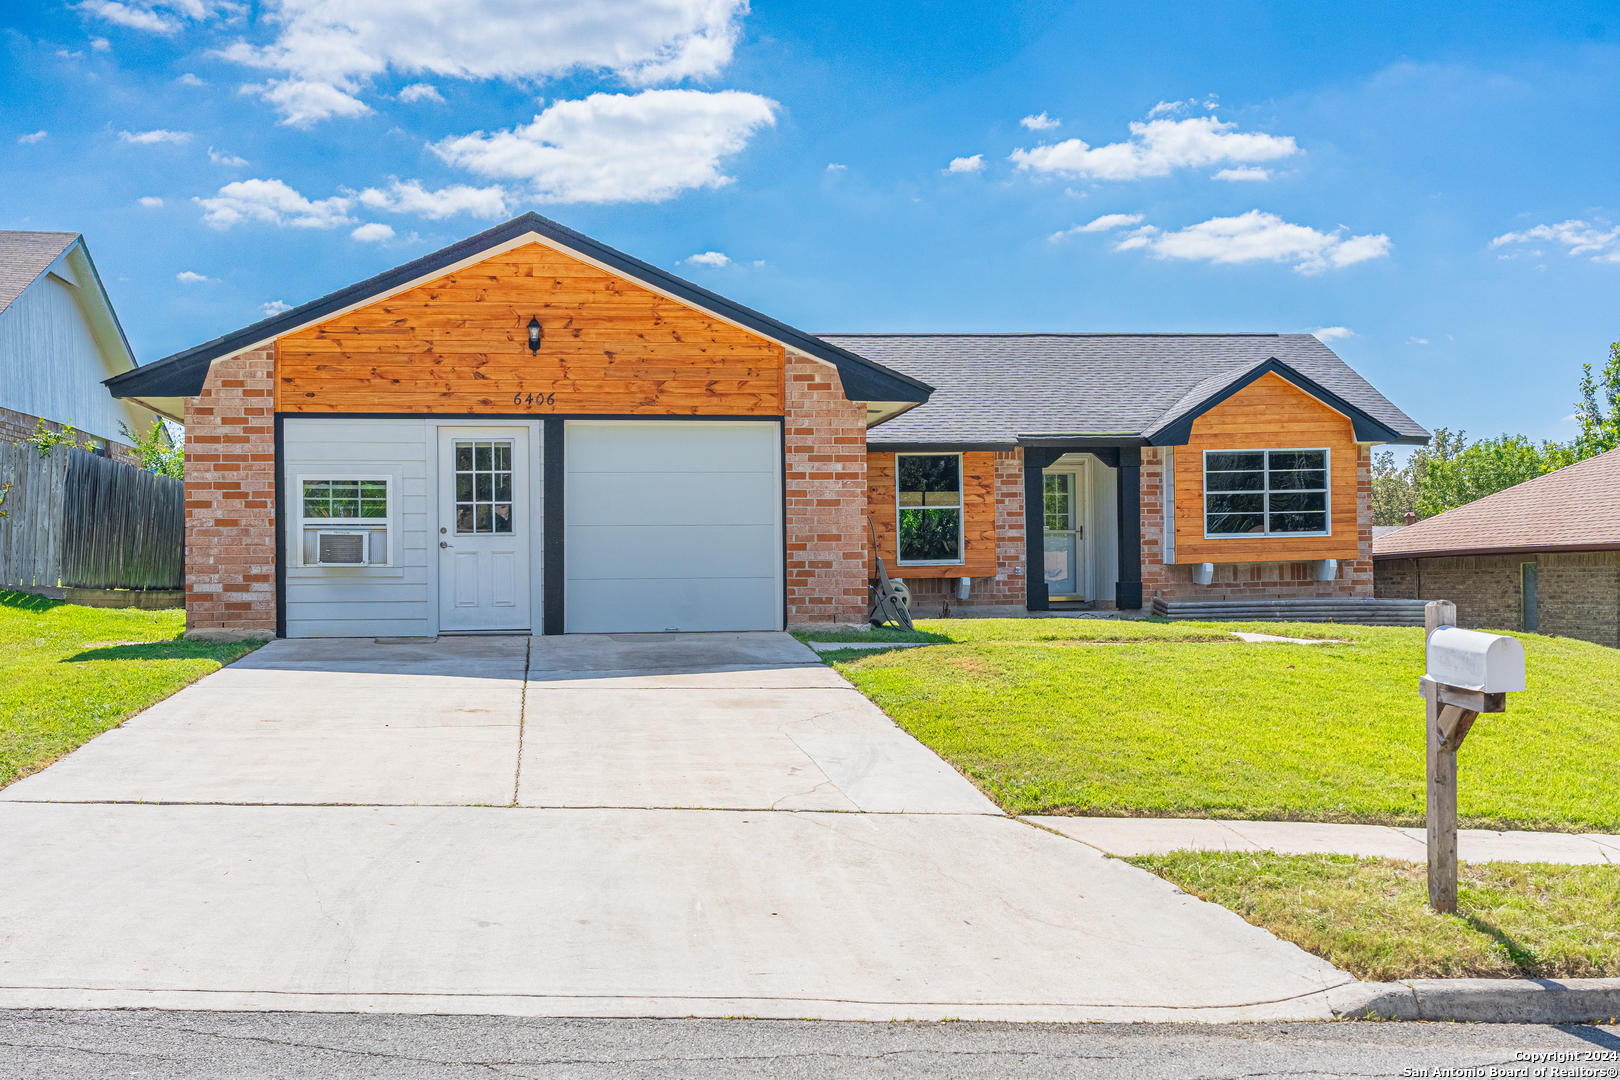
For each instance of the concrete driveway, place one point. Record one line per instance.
(643, 825)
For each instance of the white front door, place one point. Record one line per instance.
(483, 530)
(1065, 535)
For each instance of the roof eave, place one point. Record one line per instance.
(1514, 549)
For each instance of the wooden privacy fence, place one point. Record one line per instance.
(76, 520)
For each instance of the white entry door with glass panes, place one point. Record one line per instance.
(1065, 568)
(483, 530)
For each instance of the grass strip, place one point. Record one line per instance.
(68, 673)
(1371, 917)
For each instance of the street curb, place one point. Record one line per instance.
(1487, 1001)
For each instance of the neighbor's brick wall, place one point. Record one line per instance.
(230, 497)
(19, 427)
(1286, 580)
(1577, 594)
(826, 494)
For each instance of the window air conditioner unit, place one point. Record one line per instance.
(334, 548)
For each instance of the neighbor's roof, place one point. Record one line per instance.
(1576, 508)
(1003, 389)
(182, 374)
(26, 255)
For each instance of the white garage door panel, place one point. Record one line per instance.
(675, 499)
(694, 606)
(671, 551)
(672, 525)
(638, 447)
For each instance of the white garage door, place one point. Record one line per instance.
(672, 526)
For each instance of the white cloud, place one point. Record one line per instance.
(29, 140)
(1326, 334)
(274, 307)
(411, 198)
(1102, 224)
(190, 278)
(223, 157)
(188, 79)
(149, 138)
(835, 167)
(327, 50)
(273, 202)
(135, 16)
(1258, 236)
(1417, 341)
(420, 92)
(151, 202)
(1167, 108)
(967, 164)
(1040, 123)
(373, 231)
(100, 44)
(607, 148)
(1248, 172)
(1154, 149)
(1576, 235)
(710, 258)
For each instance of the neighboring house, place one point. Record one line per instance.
(531, 431)
(59, 339)
(1542, 556)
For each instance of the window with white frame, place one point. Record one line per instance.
(928, 497)
(1265, 492)
(344, 521)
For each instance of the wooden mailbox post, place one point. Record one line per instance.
(1468, 673)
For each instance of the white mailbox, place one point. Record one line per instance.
(1488, 663)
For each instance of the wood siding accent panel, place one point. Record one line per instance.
(978, 518)
(459, 344)
(1268, 414)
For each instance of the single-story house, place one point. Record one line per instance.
(1542, 556)
(531, 431)
(59, 340)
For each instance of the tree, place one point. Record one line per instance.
(158, 450)
(1599, 432)
(1480, 469)
(1396, 491)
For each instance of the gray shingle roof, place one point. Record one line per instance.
(26, 255)
(994, 389)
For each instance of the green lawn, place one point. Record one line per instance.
(68, 673)
(1370, 916)
(1166, 719)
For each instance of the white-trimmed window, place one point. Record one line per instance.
(1266, 493)
(344, 520)
(928, 508)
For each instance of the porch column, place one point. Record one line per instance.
(1128, 590)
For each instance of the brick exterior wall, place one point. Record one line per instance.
(826, 496)
(1248, 581)
(230, 497)
(16, 427)
(1577, 594)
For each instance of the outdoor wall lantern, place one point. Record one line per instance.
(534, 335)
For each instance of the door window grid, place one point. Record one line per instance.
(483, 486)
(928, 497)
(1265, 492)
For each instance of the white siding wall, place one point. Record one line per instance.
(380, 601)
(51, 365)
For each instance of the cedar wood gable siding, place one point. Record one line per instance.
(978, 518)
(1268, 414)
(459, 345)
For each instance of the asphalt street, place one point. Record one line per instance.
(168, 1045)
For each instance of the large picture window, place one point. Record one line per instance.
(928, 491)
(1265, 492)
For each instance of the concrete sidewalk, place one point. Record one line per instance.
(1155, 836)
(642, 825)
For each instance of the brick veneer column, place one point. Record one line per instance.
(230, 497)
(826, 497)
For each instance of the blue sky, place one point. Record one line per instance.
(1434, 187)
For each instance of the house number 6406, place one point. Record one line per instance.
(534, 399)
